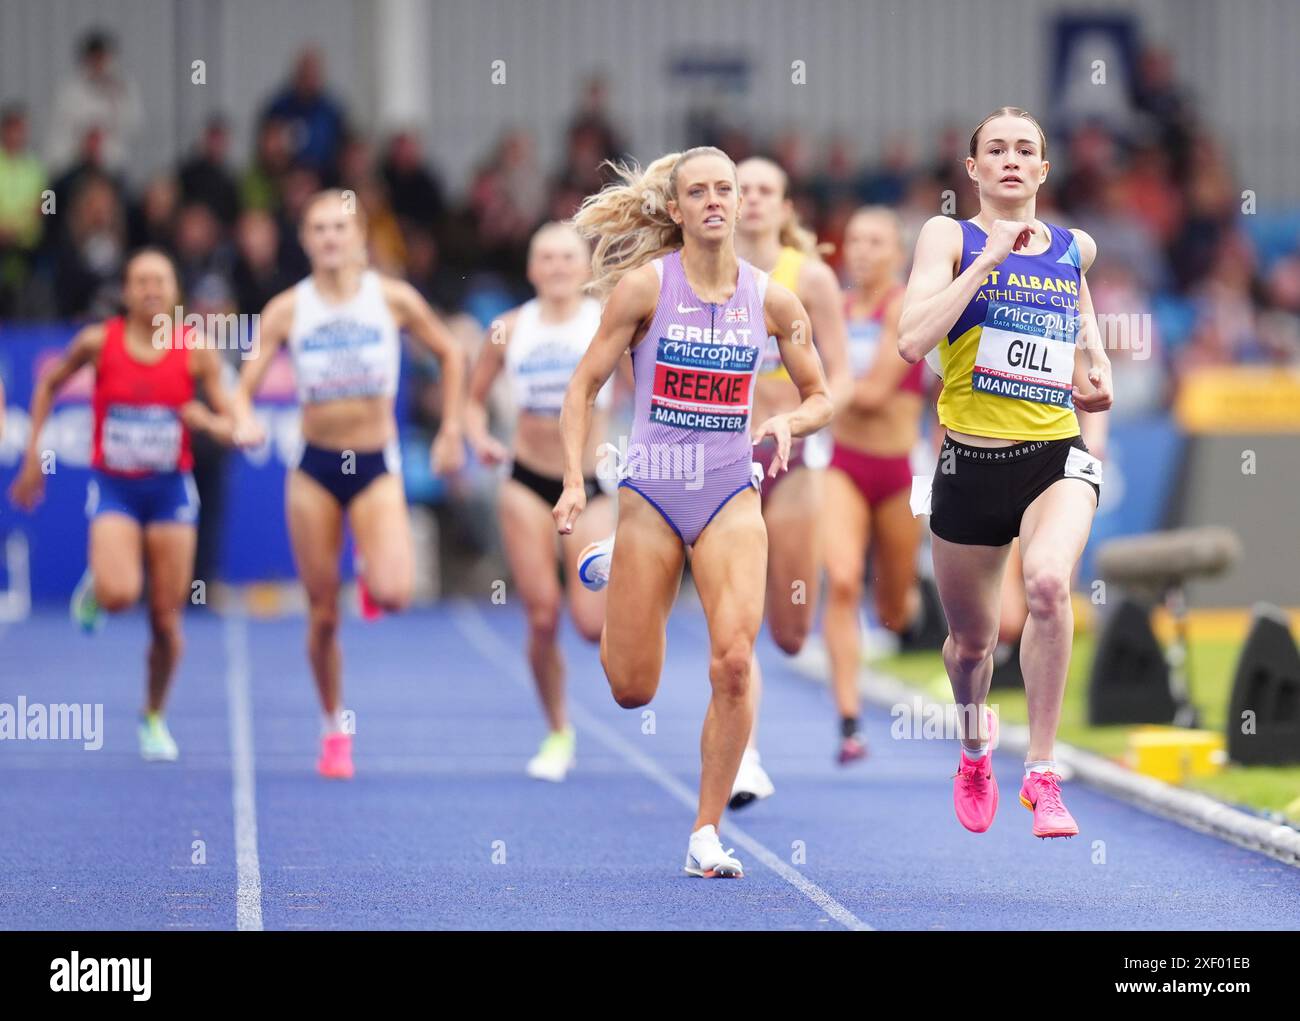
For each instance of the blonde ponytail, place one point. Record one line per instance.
(628, 220)
(795, 235)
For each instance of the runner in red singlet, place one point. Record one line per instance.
(141, 499)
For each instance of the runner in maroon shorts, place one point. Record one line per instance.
(870, 477)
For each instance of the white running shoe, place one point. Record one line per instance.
(593, 564)
(555, 757)
(156, 742)
(83, 606)
(752, 782)
(706, 858)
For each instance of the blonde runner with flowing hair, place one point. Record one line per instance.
(629, 221)
(696, 318)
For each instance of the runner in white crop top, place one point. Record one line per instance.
(537, 347)
(341, 327)
(541, 356)
(344, 350)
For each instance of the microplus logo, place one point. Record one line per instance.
(60, 721)
(102, 975)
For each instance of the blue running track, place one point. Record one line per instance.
(441, 829)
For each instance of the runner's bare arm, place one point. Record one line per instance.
(29, 484)
(787, 320)
(630, 305)
(217, 421)
(625, 372)
(487, 366)
(1092, 380)
(935, 299)
(824, 300)
(415, 315)
(887, 371)
(83, 349)
(273, 327)
(1095, 430)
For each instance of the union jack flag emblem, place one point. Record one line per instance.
(735, 315)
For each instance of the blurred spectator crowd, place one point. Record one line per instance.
(1163, 203)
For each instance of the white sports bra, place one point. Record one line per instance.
(541, 357)
(346, 350)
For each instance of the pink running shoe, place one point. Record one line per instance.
(335, 761)
(852, 749)
(370, 610)
(974, 787)
(1041, 794)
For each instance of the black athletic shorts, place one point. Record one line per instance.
(548, 488)
(979, 494)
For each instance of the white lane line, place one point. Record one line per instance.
(248, 870)
(468, 619)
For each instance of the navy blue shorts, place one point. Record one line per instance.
(164, 497)
(345, 473)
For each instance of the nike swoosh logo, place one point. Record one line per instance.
(683, 309)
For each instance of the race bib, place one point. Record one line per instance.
(141, 438)
(542, 378)
(818, 448)
(864, 342)
(1026, 354)
(922, 491)
(341, 359)
(702, 386)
